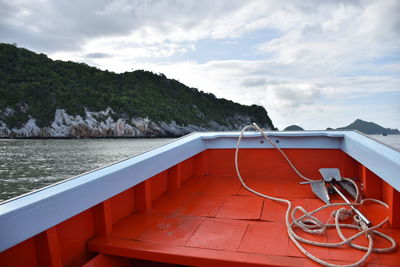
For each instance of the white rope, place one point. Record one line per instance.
(310, 224)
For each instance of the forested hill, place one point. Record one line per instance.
(41, 97)
(368, 128)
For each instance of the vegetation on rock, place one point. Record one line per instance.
(368, 128)
(32, 85)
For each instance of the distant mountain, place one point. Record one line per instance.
(368, 128)
(40, 97)
(293, 128)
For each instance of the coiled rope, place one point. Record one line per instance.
(310, 224)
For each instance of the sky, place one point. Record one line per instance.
(316, 64)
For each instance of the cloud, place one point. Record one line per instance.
(308, 61)
(316, 34)
(97, 55)
(314, 102)
(252, 82)
(60, 26)
(339, 35)
(294, 95)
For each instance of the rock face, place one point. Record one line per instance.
(40, 97)
(101, 124)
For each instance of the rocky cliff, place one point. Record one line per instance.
(101, 124)
(43, 98)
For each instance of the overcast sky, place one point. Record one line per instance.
(317, 64)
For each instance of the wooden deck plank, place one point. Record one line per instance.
(188, 255)
(202, 225)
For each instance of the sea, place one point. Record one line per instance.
(30, 164)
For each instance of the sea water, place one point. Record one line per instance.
(27, 164)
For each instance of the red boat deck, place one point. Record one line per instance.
(213, 220)
(198, 213)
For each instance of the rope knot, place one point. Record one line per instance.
(361, 225)
(308, 223)
(343, 213)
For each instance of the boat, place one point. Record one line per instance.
(213, 198)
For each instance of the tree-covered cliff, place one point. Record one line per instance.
(34, 87)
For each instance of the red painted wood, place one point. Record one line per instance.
(48, 249)
(174, 178)
(395, 209)
(172, 202)
(143, 196)
(205, 199)
(265, 238)
(187, 168)
(23, 254)
(159, 185)
(203, 205)
(392, 197)
(222, 186)
(218, 235)
(270, 163)
(102, 218)
(73, 235)
(391, 259)
(191, 256)
(211, 222)
(122, 205)
(103, 260)
(241, 208)
(372, 184)
(170, 230)
(200, 164)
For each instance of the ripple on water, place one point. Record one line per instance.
(26, 165)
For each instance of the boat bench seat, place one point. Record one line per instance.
(213, 220)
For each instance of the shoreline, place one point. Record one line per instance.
(88, 137)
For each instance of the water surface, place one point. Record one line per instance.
(28, 164)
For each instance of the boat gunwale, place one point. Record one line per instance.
(64, 200)
(308, 133)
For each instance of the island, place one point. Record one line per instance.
(45, 98)
(368, 128)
